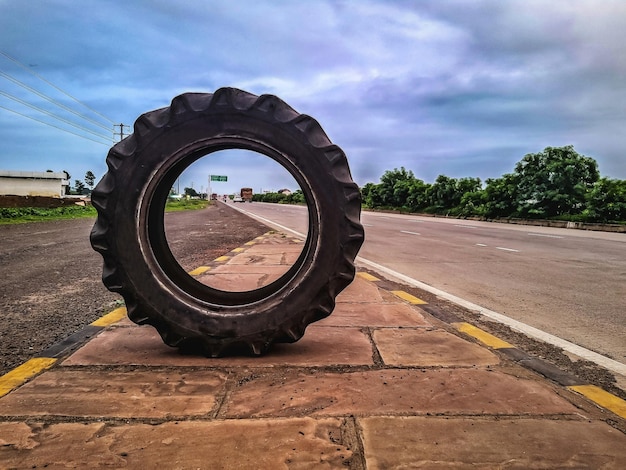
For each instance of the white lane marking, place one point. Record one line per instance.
(500, 248)
(607, 363)
(270, 222)
(465, 226)
(410, 233)
(544, 235)
(368, 225)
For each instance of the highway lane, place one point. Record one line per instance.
(569, 283)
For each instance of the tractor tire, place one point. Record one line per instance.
(129, 231)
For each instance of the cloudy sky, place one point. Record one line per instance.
(461, 88)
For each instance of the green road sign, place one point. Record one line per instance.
(219, 178)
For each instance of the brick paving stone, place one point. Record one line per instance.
(141, 345)
(132, 394)
(420, 347)
(418, 442)
(242, 444)
(391, 391)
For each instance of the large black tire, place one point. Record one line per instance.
(129, 231)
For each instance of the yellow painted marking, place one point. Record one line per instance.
(261, 237)
(199, 270)
(249, 243)
(238, 250)
(296, 240)
(408, 297)
(603, 398)
(111, 317)
(482, 336)
(222, 259)
(19, 375)
(367, 277)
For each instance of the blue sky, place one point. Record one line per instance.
(461, 88)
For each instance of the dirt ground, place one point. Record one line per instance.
(39, 201)
(50, 280)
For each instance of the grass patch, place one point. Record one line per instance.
(174, 205)
(20, 215)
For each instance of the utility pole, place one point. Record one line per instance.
(121, 132)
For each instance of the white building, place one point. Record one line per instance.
(33, 183)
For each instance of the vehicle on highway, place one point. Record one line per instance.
(246, 194)
(238, 199)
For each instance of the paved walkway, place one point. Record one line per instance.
(379, 384)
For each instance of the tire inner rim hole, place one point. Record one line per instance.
(209, 229)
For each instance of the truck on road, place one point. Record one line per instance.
(246, 194)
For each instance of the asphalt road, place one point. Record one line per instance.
(569, 283)
(50, 277)
(50, 286)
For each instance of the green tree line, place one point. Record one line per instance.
(556, 183)
(297, 197)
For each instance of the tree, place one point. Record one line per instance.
(442, 195)
(606, 202)
(90, 179)
(472, 197)
(500, 196)
(297, 197)
(417, 199)
(554, 182)
(371, 195)
(394, 187)
(79, 187)
(191, 192)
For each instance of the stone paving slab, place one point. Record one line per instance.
(425, 348)
(243, 444)
(261, 262)
(361, 291)
(115, 394)
(391, 392)
(242, 281)
(370, 314)
(417, 442)
(321, 346)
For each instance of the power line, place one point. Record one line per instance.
(32, 72)
(56, 127)
(41, 110)
(23, 85)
